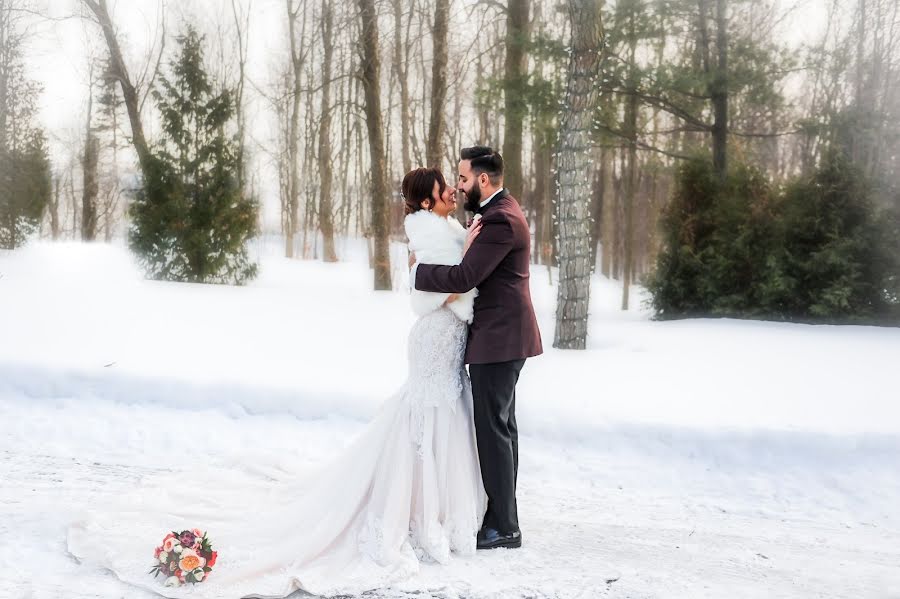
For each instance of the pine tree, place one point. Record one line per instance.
(818, 251)
(190, 221)
(25, 187)
(835, 255)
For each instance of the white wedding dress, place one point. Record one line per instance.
(408, 489)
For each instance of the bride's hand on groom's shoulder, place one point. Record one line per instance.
(473, 233)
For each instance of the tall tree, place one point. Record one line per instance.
(299, 49)
(631, 132)
(25, 180)
(190, 219)
(242, 31)
(437, 126)
(130, 93)
(106, 132)
(89, 168)
(719, 93)
(401, 72)
(53, 208)
(716, 69)
(516, 78)
(371, 80)
(574, 174)
(326, 217)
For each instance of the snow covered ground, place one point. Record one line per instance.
(704, 458)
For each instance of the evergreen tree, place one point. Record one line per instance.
(837, 258)
(24, 160)
(25, 188)
(720, 247)
(190, 221)
(817, 252)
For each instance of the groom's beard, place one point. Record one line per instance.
(473, 199)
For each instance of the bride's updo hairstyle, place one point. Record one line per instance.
(418, 184)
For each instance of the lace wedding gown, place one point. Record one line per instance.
(408, 489)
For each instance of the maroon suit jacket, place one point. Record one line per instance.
(504, 327)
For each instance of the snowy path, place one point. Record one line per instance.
(695, 459)
(670, 524)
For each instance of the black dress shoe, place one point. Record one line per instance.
(490, 538)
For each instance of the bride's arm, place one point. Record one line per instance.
(495, 241)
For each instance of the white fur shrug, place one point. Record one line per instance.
(437, 240)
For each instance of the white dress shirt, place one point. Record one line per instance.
(491, 197)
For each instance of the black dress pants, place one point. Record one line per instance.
(494, 398)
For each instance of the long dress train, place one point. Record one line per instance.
(408, 489)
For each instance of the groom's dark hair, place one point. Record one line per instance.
(484, 160)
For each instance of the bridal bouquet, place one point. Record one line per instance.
(184, 557)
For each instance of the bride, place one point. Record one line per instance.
(408, 489)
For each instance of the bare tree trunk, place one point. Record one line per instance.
(481, 106)
(631, 114)
(326, 219)
(308, 249)
(618, 257)
(298, 56)
(862, 93)
(54, 209)
(541, 202)
(129, 92)
(362, 226)
(73, 201)
(425, 93)
(5, 47)
(242, 26)
(630, 199)
(597, 210)
(401, 71)
(346, 146)
(115, 172)
(371, 79)
(718, 87)
(517, 33)
(456, 137)
(860, 52)
(90, 189)
(720, 98)
(608, 218)
(437, 126)
(574, 170)
(89, 162)
(495, 138)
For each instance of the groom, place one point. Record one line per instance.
(503, 333)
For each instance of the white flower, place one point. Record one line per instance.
(163, 557)
(198, 574)
(177, 548)
(172, 581)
